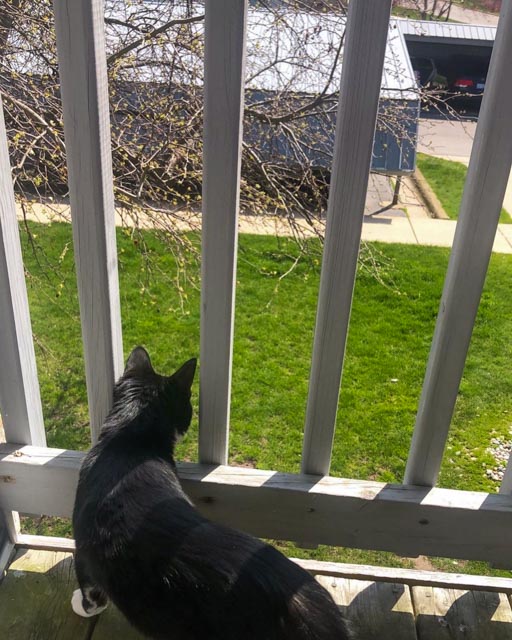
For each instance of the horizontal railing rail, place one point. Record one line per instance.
(319, 510)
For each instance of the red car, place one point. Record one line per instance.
(468, 85)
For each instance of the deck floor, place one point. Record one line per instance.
(35, 605)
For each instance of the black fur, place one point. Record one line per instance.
(141, 543)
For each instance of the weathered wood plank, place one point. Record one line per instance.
(20, 401)
(363, 59)
(83, 74)
(486, 182)
(368, 515)
(453, 614)
(225, 25)
(8, 534)
(112, 624)
(35, 599)
(44, 543)
(411, 577)
(56, 471)
(375, 609)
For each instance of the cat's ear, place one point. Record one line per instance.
(185, 375)
(138, 362)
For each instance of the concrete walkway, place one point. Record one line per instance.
(392, 227)
(412, 226)
(426, 231)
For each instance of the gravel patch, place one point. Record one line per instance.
(500, 450)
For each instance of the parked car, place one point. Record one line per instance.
(468, 85)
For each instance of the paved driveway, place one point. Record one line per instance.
(446, 138)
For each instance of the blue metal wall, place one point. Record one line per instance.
(311, 139)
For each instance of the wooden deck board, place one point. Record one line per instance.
(112, 625)
(456, 614)
(35, 604)
(35, 598)
(380, 610)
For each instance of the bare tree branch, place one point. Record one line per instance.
(151, 36)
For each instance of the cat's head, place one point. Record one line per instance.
(151, 401)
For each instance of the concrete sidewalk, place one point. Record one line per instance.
(424, 231)
(408, 223)
(393, 225)
(386, 227)
(411, 223)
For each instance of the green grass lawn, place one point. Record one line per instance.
(446, 179)
(387, 351)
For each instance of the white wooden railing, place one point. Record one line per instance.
(313, 507)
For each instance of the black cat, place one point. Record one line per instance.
(141, 543)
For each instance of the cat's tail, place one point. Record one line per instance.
(317, 615)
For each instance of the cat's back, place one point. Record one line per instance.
(119, 489)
